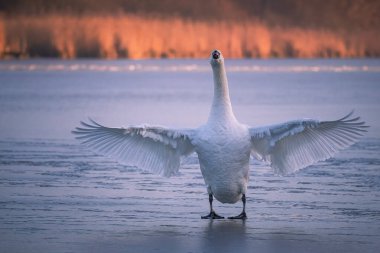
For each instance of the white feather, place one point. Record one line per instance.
(296, 144)
(155, 149)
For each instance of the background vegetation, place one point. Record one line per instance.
(180, 28)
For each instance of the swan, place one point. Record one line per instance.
(223, 145)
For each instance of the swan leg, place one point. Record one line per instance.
(243, 215)
(212, 214)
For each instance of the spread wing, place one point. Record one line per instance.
(155, 149)
(296, 144)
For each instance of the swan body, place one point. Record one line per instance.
(224, 145)
(224, 154)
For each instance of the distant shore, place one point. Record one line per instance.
(136, 37)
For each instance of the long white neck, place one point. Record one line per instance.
(221, 110)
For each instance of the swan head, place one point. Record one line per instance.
(216, 57)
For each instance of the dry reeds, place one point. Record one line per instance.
(135, 37)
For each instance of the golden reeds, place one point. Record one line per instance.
(135, 37)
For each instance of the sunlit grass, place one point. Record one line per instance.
(136, 37)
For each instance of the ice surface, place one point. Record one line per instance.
(56, 196)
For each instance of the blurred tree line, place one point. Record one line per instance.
(332, 14)
(189, 28)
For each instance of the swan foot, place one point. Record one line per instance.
(212, 215)
(241, 216)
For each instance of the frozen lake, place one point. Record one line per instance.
(57, 196)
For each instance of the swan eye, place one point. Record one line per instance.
(215, 55)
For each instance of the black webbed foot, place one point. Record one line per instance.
(212, 215)
(241, 216)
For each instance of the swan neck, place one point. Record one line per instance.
(221, 106)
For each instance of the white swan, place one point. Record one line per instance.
(224, 145)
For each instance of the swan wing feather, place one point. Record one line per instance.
(150, 148)
(293, 145)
